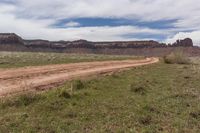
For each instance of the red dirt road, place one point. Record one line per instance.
(14, 81)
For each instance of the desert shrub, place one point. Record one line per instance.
(195, 115)
(77, 85)
(177, 57)
(71, 114)
(64, 93)
(145, 120)
(138, 88)
(27, 99)
(22, 100)
(5, 103)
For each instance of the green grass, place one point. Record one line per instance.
(155, 98)
(21, 59)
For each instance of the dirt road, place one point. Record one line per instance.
(13, 81)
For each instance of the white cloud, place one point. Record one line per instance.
(143, 9)
(195, 35)
(72, 24)
(35, 28)
(33, 18)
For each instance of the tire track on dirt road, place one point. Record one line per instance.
(17, 80)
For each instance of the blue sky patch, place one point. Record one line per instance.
(91, 22)
(98, 22)
(104, 20)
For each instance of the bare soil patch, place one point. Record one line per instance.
(14, 81)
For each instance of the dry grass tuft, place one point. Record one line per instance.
(178, 57)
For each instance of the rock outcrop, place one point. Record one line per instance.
(128, 44)
(187, 42)
(12, 42)
(10, 38)
(92, 45)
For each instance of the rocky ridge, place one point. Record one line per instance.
(13, 42)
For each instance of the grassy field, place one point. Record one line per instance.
(155, 98)
(21, 59)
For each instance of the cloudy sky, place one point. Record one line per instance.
(102, 20)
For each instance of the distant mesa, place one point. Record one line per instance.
(187, 42)
(12, 38)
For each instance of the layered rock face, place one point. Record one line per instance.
(187, 42)
(12, 42)
(93, 45)
(128, 44)
(10, 38)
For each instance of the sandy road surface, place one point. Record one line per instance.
(34, 78)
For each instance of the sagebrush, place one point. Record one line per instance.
(178, 57)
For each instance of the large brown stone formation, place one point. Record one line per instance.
(128, 44)
(92, 45)
(187, 42)
(10, 38)
(12, 42)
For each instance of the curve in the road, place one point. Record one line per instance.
(14, 81)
